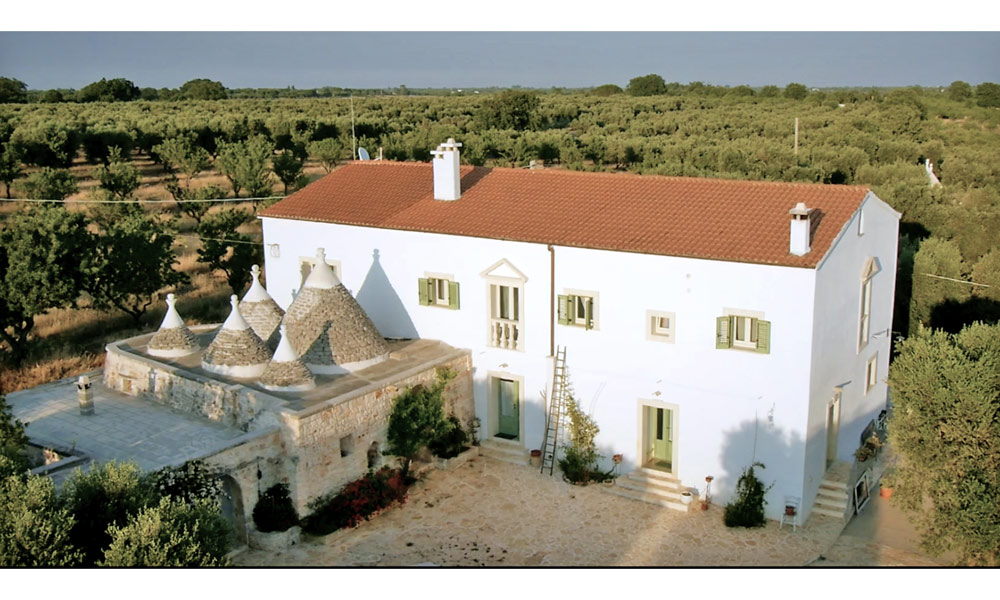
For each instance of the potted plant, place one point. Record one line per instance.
(885, 487)
(275, 519)
(686, 498)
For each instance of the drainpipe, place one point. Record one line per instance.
(552, 300)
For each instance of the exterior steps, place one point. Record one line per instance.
(832, 499)
(501, 449)
(650, 486)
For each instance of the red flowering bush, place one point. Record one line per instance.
(358, 501)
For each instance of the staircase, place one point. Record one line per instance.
(550, 443)
(651, 486)
(505, 450)
(833, 496)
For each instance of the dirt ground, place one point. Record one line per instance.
(492, 513)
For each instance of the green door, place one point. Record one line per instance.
(507, 396)
(661, 432)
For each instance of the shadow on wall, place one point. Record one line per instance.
(383, 305)
(781, 452)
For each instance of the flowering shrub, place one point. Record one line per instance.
(189, 482)
(358, 501)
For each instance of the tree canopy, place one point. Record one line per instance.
(12, 90)
(109, 90)
(988, 94)
(202, 89)
(796, 91)
(945, 425)
(646, 85)
(511, 109)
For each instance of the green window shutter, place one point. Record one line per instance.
(564, 310)
(424, 290)
(453, 294)
(516, 391)
(723, 336)
(763, 336)
(590, 313)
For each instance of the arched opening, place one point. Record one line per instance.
(231, 502)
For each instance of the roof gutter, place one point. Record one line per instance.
(552, 300)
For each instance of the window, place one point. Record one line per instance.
(861, 222)
(506, 302)
(871, 373)
(578, 309)
(864, 327)
(659, 326)
(505, 290)
(741, 329)
(438, 291)
(346, 446)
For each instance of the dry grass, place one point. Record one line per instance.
(67, 342)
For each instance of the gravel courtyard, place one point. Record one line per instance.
(492, 513)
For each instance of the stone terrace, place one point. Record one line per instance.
(122, 427)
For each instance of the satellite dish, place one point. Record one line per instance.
(363, 154)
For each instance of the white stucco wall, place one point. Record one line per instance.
(717, 394)
(836, 329)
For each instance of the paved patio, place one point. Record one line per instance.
(494, 513)
(122, 428)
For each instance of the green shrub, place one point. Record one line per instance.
(171, 534)
(34, 529)
(189, 482)
(579, 462)
(13, 440)
(357, 501)
(109, 494)
(417, 419)
(274, 510)
(451, 439)
(747, 510)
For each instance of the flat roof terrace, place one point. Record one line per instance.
(405, 358)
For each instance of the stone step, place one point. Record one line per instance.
(651, 487)
(828, 512)
(505, 451)
(639, 496)
(838, 504)
(643, 473)
(831, 494)
(833, 485)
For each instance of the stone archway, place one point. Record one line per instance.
(231, 502)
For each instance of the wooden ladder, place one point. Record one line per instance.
(555, 414)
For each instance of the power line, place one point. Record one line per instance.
(141, 201)
(957, 280)
(198, 237)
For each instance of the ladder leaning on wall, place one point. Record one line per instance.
(555, 414)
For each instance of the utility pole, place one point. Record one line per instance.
(354, 139)
(796, 135)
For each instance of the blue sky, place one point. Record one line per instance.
(470, 59)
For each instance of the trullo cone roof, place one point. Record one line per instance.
(236, 350)
(173, 339)
(260, 311)
(286, 372)
(327, 327)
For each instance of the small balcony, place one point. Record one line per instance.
(506, 334)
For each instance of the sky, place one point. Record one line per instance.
(48, 53)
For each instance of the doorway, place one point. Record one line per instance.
(508, 409)
(832, 428)
(659, 433)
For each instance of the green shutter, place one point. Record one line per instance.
(424, 289)
(763, 336)
(590, 313)
(516, 390)
(723, 336)
(564, 310)
(453, 294)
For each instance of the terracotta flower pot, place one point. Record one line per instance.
(885, 492)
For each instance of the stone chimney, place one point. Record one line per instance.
(798, 239)
(447, 179)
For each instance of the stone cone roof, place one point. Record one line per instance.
(173, 339)
(260, 311)
(236, 350)
(286, 372)
(327, 327)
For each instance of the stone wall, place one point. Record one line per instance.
(231, 404)
(323, 435)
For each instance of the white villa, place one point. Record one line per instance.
(707, 323)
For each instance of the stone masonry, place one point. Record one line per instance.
(285, 374)
(236, 348)
(177, 338)
(327, 326)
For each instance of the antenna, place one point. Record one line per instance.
(363, 154)
(354, 140)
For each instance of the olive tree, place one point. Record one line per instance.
(945, 426)
(225, 249)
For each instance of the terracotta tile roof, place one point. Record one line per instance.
(742, 221)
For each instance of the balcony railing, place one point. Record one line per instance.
(505, 333)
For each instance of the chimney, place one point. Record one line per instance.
(798, 240)
(447, 179)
